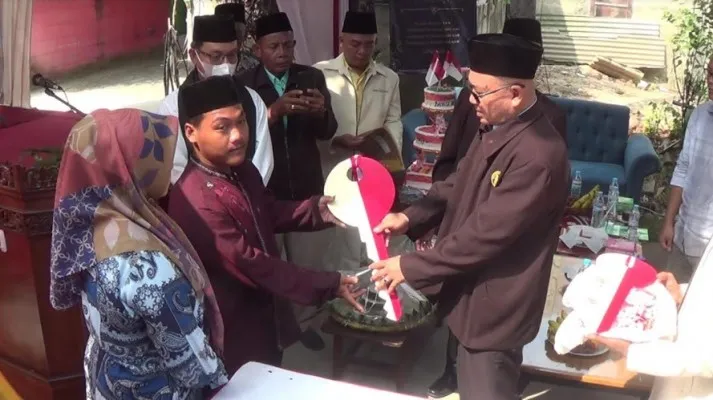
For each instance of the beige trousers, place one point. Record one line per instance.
(305, 249)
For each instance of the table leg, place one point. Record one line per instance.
(338, 357)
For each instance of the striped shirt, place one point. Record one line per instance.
(694, 174)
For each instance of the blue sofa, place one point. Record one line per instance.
(598, 142)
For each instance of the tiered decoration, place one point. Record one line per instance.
(438, 104)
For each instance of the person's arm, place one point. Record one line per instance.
(393, 122)
(427, 213)
(263, 159)
(221, 242)
(324, 125)
(166, 302)
(665, 358)
(678, 180)
(448, 157)
(180, 158)
(295, 216)
(169, 105)
(520, 199)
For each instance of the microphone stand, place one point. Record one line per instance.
(50, 93)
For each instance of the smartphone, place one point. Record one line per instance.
(305, 80)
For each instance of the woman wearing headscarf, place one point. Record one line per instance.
(141, 285)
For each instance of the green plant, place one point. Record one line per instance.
(662, 120)
(692, 46)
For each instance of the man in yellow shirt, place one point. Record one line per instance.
(364, 94)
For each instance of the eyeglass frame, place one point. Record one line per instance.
(216, 59)
(479, 96)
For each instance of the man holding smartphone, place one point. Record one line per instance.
(300, 114)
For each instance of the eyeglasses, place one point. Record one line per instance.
(217, 58)
(479, 96)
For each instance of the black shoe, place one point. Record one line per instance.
(311, 340)
(444, 386)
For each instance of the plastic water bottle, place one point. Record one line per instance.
(586, 263)
(634, 224)
(598, 210)
(576, 190)
(613, 198)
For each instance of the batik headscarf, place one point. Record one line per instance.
(114, 166)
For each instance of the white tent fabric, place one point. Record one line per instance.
(16, 34)
(313, 27)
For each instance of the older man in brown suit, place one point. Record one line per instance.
(463, 128)
(499, 216)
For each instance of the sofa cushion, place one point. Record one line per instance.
(596, 132)
(594, 173)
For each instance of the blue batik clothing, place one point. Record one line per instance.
(146, 335)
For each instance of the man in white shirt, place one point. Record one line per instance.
(215, 51)
(691, 198)
(683, 367)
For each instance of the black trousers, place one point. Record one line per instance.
(489, 375)
(451, 353)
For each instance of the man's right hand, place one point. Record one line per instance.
(672, 285)
(347, 292)
(349, 141)
(393, 224)
(290, 103)
(666, 236)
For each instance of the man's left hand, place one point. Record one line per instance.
(324, 212)
(387, 273)
(616, 345)
(314, 100)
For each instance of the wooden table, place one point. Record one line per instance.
(409, 345)
(541, 363)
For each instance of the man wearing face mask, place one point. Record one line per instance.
(214, 52)
(300, 114)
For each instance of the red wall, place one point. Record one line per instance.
(67, 34)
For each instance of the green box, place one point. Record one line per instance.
(622, 231)
(624, 205)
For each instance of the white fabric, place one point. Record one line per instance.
(263, 158)
(685, 365)
(313, 28)
(260, 381)
(16, 34)
(694, 227)
(648, 314)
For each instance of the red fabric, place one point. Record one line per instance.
(23, 128)
(378, 193)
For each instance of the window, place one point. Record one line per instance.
(612, 8)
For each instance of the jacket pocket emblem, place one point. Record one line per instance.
(495, 178)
